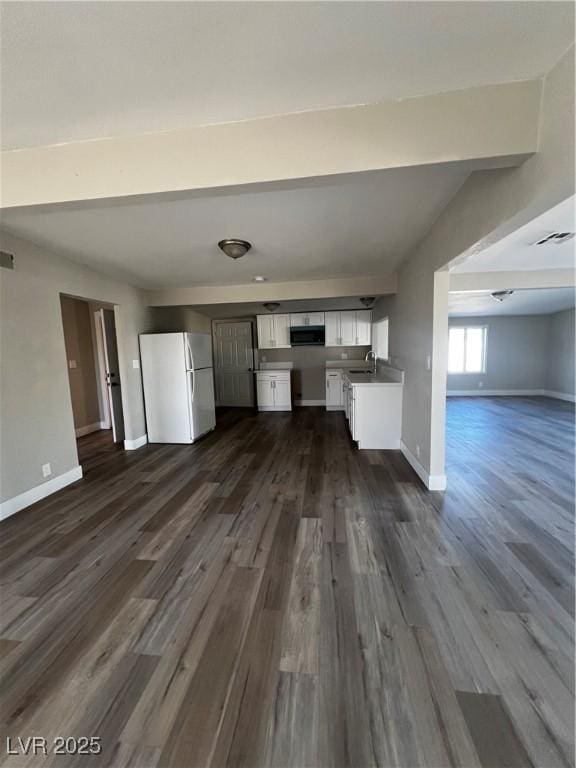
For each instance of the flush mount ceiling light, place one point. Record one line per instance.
(259, 279)
(234, 248)
(367, 301)
(501, 295)
(271, 306)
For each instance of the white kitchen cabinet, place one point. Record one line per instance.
(306, 318)
(273, 390)
(334, 391)
(374, 414)
(332, 331)
(363, 328)
(273, 331)
(348, 328)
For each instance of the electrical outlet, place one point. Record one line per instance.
(480, 384)
(417, 451)
(344, 355)
(72, 364)
(46, 470)
(135, 363)
(263, 358)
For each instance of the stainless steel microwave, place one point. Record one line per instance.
(307, 336)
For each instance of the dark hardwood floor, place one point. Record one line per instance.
(272, 596)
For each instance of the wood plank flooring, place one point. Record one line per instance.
(272, 596)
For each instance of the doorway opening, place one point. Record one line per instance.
(93, 375)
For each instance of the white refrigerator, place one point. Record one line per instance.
(178, 386)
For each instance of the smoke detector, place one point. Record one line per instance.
(555, 238)
(501, 295)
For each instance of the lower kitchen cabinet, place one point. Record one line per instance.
(374, 414)
(334, 391)
(273, 391)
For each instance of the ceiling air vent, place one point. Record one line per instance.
(6, 260)
(555, 238)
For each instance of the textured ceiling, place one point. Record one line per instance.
(360, 226)
(81, 70)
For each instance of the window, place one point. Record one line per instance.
(380, 338)
(467, 350)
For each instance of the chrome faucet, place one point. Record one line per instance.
(371, 355)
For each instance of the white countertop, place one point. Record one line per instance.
(287, 366)
(372, 379)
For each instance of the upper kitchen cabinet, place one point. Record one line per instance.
(349, 328)
(306, 318)
(364, 327)
(273, 331)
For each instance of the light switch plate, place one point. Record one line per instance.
(72, 364)
(135, 363)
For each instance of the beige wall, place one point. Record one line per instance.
(561, 351)
(77, 327)
(309, 371)
(35, 406)
(490, 205)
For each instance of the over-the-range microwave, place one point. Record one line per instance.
(307, 336)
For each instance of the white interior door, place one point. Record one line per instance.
(113, 383)
(234, 358)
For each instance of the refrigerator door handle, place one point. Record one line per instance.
(189, 361)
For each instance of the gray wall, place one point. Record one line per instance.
(309, 377)
(168, 319)
(77, 327)
(516, 354)
(561, 343)
(35, 404)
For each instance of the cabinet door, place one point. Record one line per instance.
(281, 330)
(363, 327)
(315, 318)
(265, 331)
(347, 329)
(333, 390)
(332, 329)
(282, 393)
(298, 319)
(265, 392)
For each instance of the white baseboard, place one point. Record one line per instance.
(432, 482)
(494, 392)
(510, 393)
(16, 503)
(132, 445)
(310, 402)
(560, 395)
(96, 427)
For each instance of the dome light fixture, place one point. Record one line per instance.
(234, 248)
(271, 306)
(367, 301)
(259, 279)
